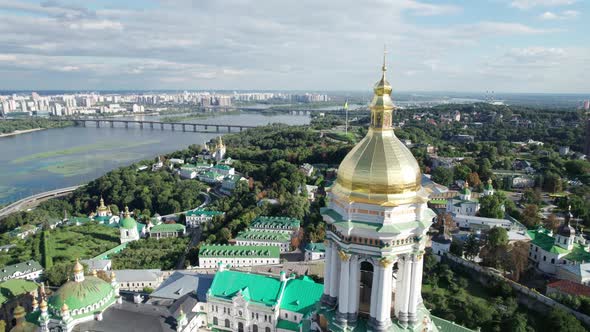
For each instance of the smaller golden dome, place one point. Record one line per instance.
(43, 305)
(35, 302)
(113, 276)
(94, 273)
(19, 312)
(78, 268)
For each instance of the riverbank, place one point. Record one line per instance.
(18, 132)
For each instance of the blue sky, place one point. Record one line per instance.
(462, 45)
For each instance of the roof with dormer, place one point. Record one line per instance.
(232, 251)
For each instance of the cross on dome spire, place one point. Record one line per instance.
(384, 67)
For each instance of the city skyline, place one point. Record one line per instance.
(519, 46)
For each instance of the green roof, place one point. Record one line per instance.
(301, 295)
(316, 247)
(81, 294)
(168, 228)
(375, 227)
(210, 174)
(128, 223)
(115, 250)
(263, 236)
(239, 251)
(257, 288)
(203, 212)
(288, 325)
(275, 222)
(447, 326)
(223, 167)
(438, 201)
(25, 267)
(15, 287)
(578, 254)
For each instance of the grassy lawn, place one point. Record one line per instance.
(82, 241)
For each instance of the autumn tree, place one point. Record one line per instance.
(551, 222)
(530, 216)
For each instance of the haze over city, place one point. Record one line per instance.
(493, 45)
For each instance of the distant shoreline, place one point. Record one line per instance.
(18, 132)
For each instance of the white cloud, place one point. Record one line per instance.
(254, 44)
(566, 14)
(528, 4)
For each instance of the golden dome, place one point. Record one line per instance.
(379, 169)
(78, 267)
(43, 305)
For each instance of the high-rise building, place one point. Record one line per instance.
(587, 105)
(587, 145)
(377, 219)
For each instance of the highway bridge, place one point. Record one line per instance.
(34, 200)
(184, 126)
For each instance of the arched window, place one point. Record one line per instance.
(227, 322)
(254, 328)
(240, 327)
(215, 322)
(267, 329)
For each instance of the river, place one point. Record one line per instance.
(55, 158)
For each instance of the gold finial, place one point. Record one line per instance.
(64, 307)
(94, 273)
(127, 214)
(78, 267)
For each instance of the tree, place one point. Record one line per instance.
(559, 320)
(491, 206)
(518, 258)
(551, 222)
(473, 179)
(497, 237)
(471, 247)
(442, 176)
(517, 323)
(456, 248)
(530, 216)
(552, 182)
(531, 196)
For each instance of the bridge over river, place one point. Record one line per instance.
(144, 124)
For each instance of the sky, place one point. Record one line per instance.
(539, 46)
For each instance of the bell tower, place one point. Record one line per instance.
(376, 224)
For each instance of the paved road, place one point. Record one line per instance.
(34, 200)
(174, 216)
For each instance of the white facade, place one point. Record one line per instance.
(283, 246)
(213, 262)
(473, 222)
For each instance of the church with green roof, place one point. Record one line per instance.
(81, 299)
(241, 301)
(551, 251)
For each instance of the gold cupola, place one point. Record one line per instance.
(379, 169)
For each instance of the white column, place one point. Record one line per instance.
(327, 269)
(416, 295)
(406, 286)
(335, 271)
(344, 285)
(375, 287)
(354, 282)
(384, 307)
(399, 287)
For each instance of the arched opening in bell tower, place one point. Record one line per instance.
(366, 284)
